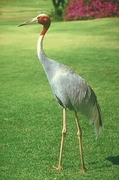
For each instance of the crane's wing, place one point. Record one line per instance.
(72, 91)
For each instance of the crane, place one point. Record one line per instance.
(70, 90)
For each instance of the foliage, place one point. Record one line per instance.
(81, 9)
(59, 6)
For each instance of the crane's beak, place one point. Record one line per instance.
(32, 21)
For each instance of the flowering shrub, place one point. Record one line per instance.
(81, 9)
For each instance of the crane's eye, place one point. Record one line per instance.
(39, 19)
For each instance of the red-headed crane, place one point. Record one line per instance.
(71, 90)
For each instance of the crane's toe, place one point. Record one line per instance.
(59, 168)
(83, 170)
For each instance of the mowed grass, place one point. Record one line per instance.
(20, 9)
(31, 120)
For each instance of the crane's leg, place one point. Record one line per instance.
(62, 140)
(79, 133)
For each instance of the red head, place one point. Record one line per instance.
(44, 20)
(41, 19)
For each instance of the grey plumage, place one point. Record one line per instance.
(70, 90)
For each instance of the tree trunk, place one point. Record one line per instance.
(59, 6)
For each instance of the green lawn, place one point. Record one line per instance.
(31, 120)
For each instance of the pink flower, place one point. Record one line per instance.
(79, 9)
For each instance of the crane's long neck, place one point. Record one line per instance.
(40, 52)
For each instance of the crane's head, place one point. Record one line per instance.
(41, 19)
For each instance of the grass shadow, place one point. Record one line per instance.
(114, 159)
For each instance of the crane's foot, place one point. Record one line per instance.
(83, 170)
(59, 168)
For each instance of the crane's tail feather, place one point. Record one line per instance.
(96, 119)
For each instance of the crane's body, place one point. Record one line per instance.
(71, 90)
